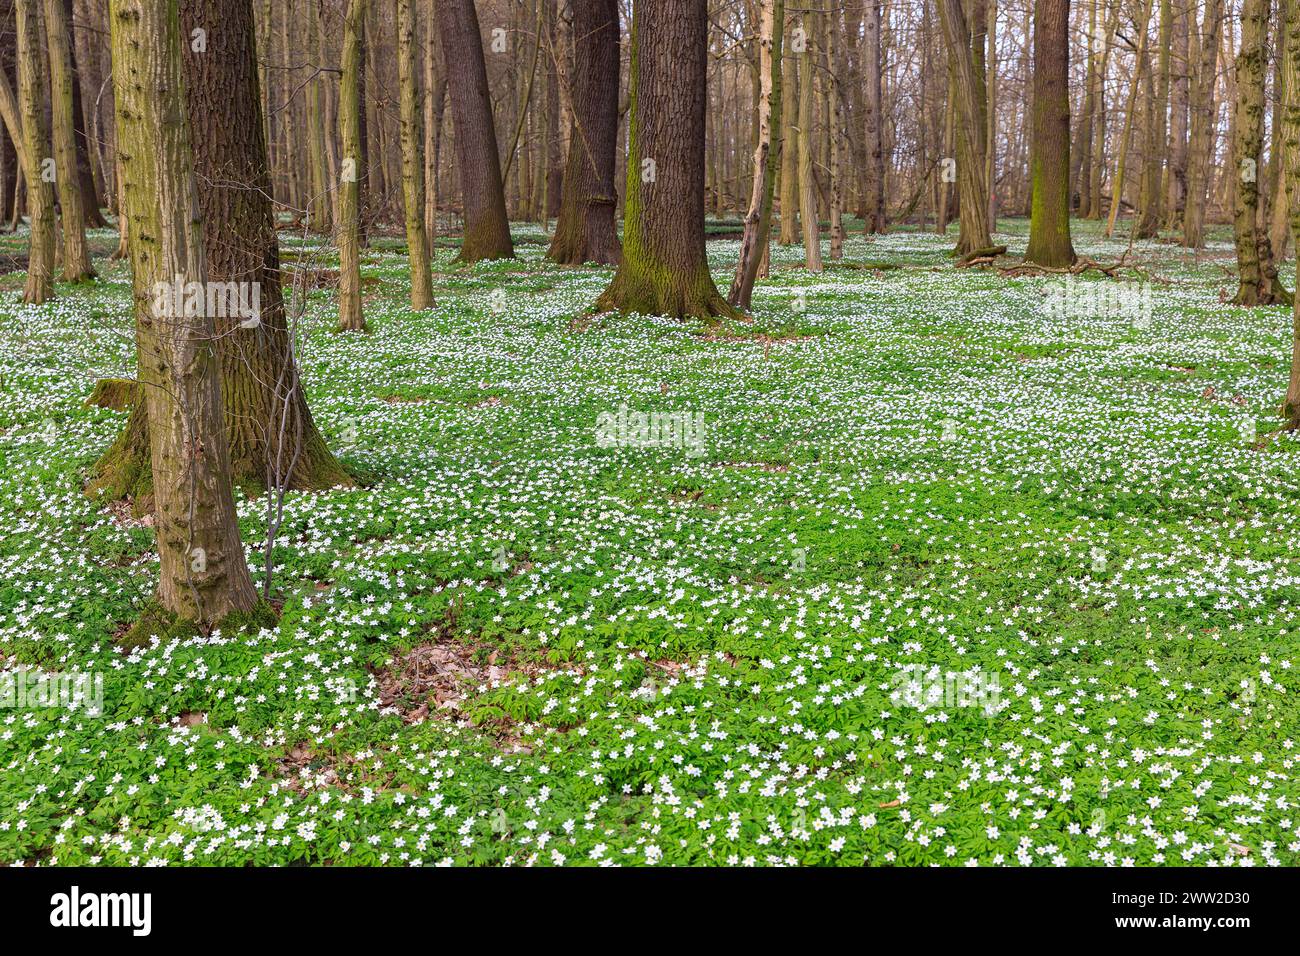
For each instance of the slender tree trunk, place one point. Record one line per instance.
(789, 157)
(665, 270)
(767, 155)
(874, 219)
(86, 154)
(968, 86)
(1130, 111)
(435, 96)
(1279, 232)
(203, 575)
(412, 164)
(319, 208)
(33, 94)
(585, 230)
(351, 316)
(487, 230)
(1148, 224)
(812, 244)
(72, 215)
(1291, 115)
(1179, 97)
(1201, 139)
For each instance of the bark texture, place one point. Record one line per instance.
(585, 230)
(203, 575)
(33, 93)
(487, 230)
(664, 269)
(412, 165)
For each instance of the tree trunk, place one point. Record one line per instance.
(1259, 284)
(1049, 224)
(968, 86)
(351, 317)
(1201, 139)
(487, 230)
(33, 93)
(203, 576)
(789, 156)
(319, 208)
(1149, 203)
(767, 155)
(1179, 96)
(72, 215)
(585, 230)
(1291, 115)
(812, 241)
(665, 270)
(412, 164)
(1130, 111)
(86, 154)
(874, 219)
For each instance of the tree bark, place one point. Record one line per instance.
(874, 220)
(968, 86)
(487, 230)
(767, 155)
(33, 93)
(812, 240)
(352, 171)
(1049, 224)
(412, 164)
(1201, 138)
(1259, 283)
(665, 270)
(203, 575)
(72, 214)
(585, 230)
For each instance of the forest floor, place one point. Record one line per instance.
(922, 565)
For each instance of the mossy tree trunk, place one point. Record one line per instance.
(271, 437)
(203, 574)
(1049, 223)
(487, 230)
(352, 169)
(967, 83)
(412, 136)
(767, 155)
(665, 270)
(72, 213)
(33, 93)
(585, 230)
(1259, 283)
